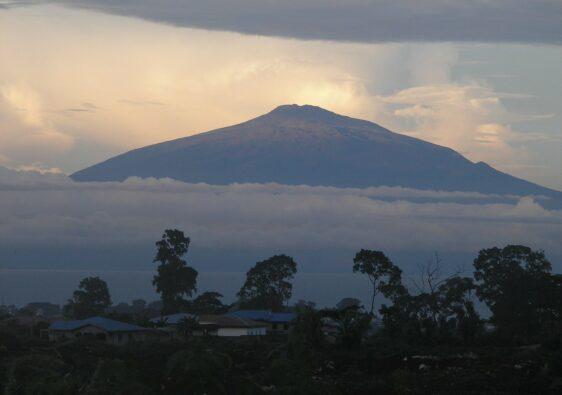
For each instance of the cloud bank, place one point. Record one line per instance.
(356, 20)
(42, 209)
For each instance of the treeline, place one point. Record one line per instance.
(426, 336)
(267, 286)
(516, 284)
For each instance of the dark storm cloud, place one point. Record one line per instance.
(538, 21)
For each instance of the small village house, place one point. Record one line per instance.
(229, 326)
(103, 329)
(171, 323)
(277, 323)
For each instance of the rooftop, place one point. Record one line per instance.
(172, 319)
(106, 324)
(225, 321)
(263, 315)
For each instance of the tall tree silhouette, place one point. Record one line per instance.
(516, 284)
(90, 299)
(174, 280)
(379, 269)
(267, 284)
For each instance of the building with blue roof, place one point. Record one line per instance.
(172, 319)
(279, 323)
(104, 329)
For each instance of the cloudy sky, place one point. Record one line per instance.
(84, 80)
(81, 81)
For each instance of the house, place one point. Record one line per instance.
(104, 329)
(172, 319)
(228, 326)
(170, 323)
(278, 323)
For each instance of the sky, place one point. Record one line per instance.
(84, 80)
(87, 80)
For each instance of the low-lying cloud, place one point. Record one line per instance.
(41, 209)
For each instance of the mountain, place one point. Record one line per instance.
(309, 145)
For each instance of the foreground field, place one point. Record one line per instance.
(274, 365)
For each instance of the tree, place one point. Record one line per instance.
(37, 374)
(354, 324)
(90, 299)
(267, 284)
(307, 330)
(138, 305)
(352, 321)
(301, 304)
(455, 308)
(41, 308)
(516, 284)
(187, 325)
(442, 307)
(349, 303)
(174, 280)
(208, 303)
(382, 273)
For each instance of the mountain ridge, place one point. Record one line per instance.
(310, 145)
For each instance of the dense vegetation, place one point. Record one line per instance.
(427, 337)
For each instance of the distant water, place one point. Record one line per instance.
(20, 287)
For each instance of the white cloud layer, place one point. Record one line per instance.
(39, 209)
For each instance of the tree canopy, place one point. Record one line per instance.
(208, 303)
(380, 270)
(516, 284)
(267, 284)
(90, 299)
(174, 280)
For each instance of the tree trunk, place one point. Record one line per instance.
(373, 298)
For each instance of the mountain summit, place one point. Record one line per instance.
(309, 145)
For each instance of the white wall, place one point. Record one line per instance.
(241, 331)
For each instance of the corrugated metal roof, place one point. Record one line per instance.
(225, 321)
(106, 324)
(263, 315)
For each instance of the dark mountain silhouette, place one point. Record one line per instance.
(309, 145)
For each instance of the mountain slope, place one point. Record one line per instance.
(309, 145)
